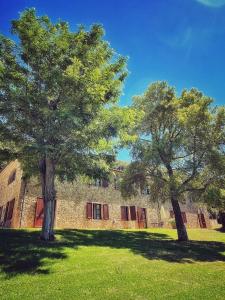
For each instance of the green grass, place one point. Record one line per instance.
(98, 264)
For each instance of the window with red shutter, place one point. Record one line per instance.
(89, 210)
(133, 213)
(139, 213)
(124, 213)
(10, 209)
(202, 221)
(97, 211)
(6, 212)
(105, 211)
(1, 210)
(39, 212)
(184, 217)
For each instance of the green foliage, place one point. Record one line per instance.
(180, 144)
(172, 222)
(214, 197)
(116, 125)
(57, 87)
(134, 179)
(8, 147)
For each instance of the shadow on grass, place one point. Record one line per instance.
(220, 229)
(22, 251)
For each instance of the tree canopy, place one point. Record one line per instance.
(179, 146)
(57, 89)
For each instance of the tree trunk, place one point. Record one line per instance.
(222, 219)
(181, 229)
(47, 172)
(42, 170)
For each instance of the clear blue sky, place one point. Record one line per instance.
(181, 41)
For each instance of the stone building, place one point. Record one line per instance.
(81, 205)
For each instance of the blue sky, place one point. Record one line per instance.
(181, 41)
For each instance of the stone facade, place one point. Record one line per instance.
(11, 189)
(71, 207)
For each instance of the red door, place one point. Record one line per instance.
(39, 213)
(141, 214)
(201, 219)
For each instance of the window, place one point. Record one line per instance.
(124, 213)
(120, 168)
(145, 191)
(105, 211)
(133, 213)
(12, 177)
(117, 180)
(212, 215)
(183, 214)
(89, 210)
(97, 211)
(11, 207)
(105, 183)
(115, 184)
(97, 182)
(9, 210)
(1, 211)
(101, 183)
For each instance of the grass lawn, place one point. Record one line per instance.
(98, 264)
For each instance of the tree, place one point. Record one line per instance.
(55, 86)
(179, 145)
(8, 149)
(214, 197)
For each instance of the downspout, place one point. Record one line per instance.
(159, 213)
(22, 200)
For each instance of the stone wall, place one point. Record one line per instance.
(10, 191)
(71, 207)
(71, 204)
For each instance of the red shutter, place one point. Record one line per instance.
(10, 209)
(124, 213)
(139, 214)
(184, 217)
(6, 212)
(1, 209)
(105, 211)
(133, 213)
(202, 221)
(89, 210)
(39, 212)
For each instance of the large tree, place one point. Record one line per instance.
(8, 148)
(55, 88)
(214, 197)
(179, 145)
